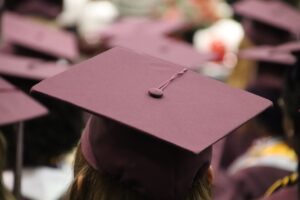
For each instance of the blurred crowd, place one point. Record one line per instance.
(251, 45)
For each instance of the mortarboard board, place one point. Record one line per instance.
(29, 68)
(16, 106)
(292, 47)
(193, 113)
(19, 30)
(126, 27)
(268, 54)
(275, 13)
(165, 48)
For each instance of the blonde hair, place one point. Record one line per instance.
(94, 185)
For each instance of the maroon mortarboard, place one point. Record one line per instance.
(161, 118)
(292, 47)
(275, 13)
(165, 48)
(29, 68)
(131, 25)
(268, 54)
(17, 107)
(24, 32)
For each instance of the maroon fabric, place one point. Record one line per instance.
(163, 141)
(167, 49)
(29, 68)
(128, 26)
(268, 54)
(22, 31)
(16, 106)
(290, 193)
(275, 13)
(293, 47)
(154, 168)
(7, 49)
(247, 184)
(217, 154)
(152, 39)
(235, 145)
(115, 84)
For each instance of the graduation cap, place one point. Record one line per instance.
(161, 118)
(165, 48)
(17, 107)
(21, 31)
(128, 26)
(291, 47)
(29, 68)
(268, 54)
(275, 13)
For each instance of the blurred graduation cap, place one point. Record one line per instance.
(275, 13)
(29, 68)
(268, 54)
(17, 107)
(291, 47)
(168, 114)
(165, 48)
(21, 31)
(272, 64)
(129, 26)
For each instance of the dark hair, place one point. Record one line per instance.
(49, 137)
(264, 34)
(23, 51)
(46, 138)
(276, 70)
(271, 118)
(291, 96)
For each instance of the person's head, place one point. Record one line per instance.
(269, 122)
(134, 165)
(291, 105)
(263, 34)
(156, 141)
(272, 69)
(269, 22)
(291, 109)
(47, 139)
(92, 184)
